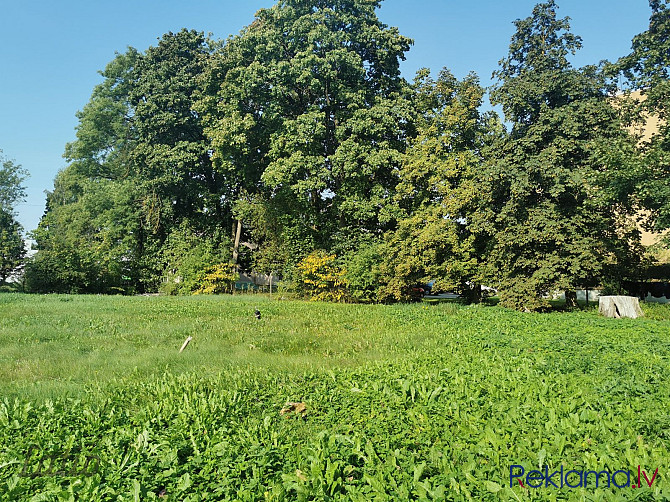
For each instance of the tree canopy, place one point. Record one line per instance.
(298, 140)
(437, 192)
(12, 191)
(307, 113)
(647, 69)
(556, 184)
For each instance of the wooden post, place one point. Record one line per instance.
(236, 249)
(185, 344)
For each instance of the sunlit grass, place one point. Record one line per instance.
(401, 401)
(76, 340)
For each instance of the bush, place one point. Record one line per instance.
(319, 278)
(363, 272)
(522, 294)
(188, 258)
(217, 279)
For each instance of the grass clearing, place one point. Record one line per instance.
(406, 402)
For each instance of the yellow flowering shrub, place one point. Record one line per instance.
(217, 279)
(320, 279)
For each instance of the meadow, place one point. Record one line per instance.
(404, 402)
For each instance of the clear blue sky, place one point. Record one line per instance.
(50, 53)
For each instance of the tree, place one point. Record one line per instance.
(139, 168)
(187, 255)
(91, 237)
(307, 113)
(170, 157)
(437, 193)
(105, 133)
(558, 188)
(12, 246)
(11, 189)
(647, 68)
(86, 245)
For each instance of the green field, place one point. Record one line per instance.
(408, 402)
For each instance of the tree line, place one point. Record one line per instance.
(297, 149)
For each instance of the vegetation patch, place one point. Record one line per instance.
(321, 401)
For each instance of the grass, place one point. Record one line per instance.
(59, 343)
(406, 402)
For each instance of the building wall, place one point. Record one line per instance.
(647, 131)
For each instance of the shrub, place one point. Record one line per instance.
(319, 278)
(363, 272)
(216, 280)
(188, 257)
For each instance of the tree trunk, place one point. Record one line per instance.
(236, 246)
(236, 250)
(477, 293)
(571, 299)
(473, 294)
(620, 306)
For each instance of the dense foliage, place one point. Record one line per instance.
(12, 246)
(299, 134)
(556, 185)
(647, 69)
(433, 403)
(319, 278)
(437, 193)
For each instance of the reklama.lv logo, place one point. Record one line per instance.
(578, 479)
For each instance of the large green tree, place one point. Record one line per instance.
(12, 176)
(437, 193)
(170, 156)
(90, 238)
(12, 191)
(647, 68)
(558, 187)
(105, 135)
(139, 171)
(87, 244)
(12, 246)
(307, 111)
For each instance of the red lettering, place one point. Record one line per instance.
(652, 478)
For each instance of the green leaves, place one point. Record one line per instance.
(301, 129)
(438, 404)
(12, 176)
(646, 70)
(560, 186)
(436, 238)
(139, 168)
(308, 109)
(12, 246)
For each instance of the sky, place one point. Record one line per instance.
(51, 53)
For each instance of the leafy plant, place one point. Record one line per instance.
(217, 279)
(187, 257)
(323, 401)
(319, 278)
(363, 274)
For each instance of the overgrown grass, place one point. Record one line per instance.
(408, 402)
(51, 344)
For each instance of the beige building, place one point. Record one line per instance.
(650, 239)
